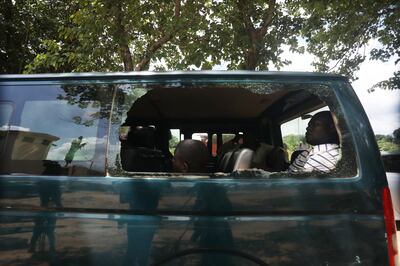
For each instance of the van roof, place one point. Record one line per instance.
(141, 75)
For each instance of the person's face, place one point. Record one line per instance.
(317, 132)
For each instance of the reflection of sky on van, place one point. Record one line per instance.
(86, 153)
(5, 113)
(16, 128)
(381, 106)
(56, 118)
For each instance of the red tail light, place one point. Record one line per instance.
(390, 227)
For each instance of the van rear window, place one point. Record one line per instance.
(179, 130)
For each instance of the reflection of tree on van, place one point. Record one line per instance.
(76, 145)
(97, 96)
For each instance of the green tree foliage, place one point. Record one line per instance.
(396, 136)
(126, 35)
(337, 32)
(106, 35)
(98, 96)
(387, 142)
(24, 26)
(246, 34)
(173, 142)
(292, 141)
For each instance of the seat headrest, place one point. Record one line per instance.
(243, 159)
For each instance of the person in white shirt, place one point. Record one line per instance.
(322, 135)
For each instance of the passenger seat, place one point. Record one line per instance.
(141, 159)
(236, 160)
(243, 159)
(223, 164)
(138, 153)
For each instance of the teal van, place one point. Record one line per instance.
(86, 174)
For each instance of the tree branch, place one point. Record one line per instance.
(245, 16)
(152, 48)
(255, 35)
(123, 44)
(269, 17)
(177, 11)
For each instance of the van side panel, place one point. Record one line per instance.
(181, 221)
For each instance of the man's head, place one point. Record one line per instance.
(190, 156)
(321, 129)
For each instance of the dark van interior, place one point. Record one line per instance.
(214, 112)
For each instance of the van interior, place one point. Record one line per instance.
(218, 116)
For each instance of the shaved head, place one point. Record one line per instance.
(190, 156)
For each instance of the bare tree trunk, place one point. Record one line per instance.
(251, 59)
(126, 57)
(10, 58)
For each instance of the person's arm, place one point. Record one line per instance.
(299, 162)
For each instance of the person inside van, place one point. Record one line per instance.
(266, 156)
(138, 152)
(322, 135)
(191, 156)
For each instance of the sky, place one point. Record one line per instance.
(382, 106)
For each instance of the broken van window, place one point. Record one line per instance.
(257, 110)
